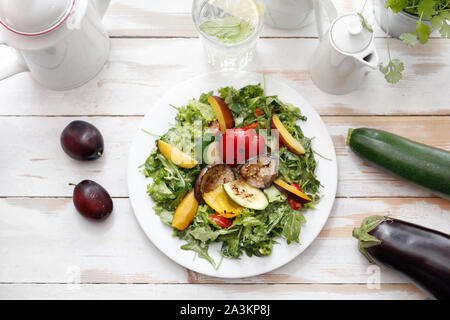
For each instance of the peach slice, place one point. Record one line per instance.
(285, 137)
(291, 192)
(185, 212)
(223, 113)
(176, 156)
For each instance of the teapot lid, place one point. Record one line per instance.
(348, 35)
(34, 17)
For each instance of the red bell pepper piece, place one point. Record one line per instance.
(220, 221)
(294, 204)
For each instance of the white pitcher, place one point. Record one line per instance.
(344, 55)
(61, 42)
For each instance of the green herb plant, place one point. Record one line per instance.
(437, 12)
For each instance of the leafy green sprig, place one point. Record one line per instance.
(437, 12)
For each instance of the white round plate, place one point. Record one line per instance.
(158, 121)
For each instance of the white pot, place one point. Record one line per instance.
(399, 23)
(61, 43)
(344, 55)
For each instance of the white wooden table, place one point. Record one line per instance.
(47, 250)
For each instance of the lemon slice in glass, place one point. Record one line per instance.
(248, 10)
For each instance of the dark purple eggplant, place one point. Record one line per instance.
(419, 253)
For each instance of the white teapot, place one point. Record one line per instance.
(345, 53)
(61, 42)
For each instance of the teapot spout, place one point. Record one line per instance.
(101, 6)
(369, 60)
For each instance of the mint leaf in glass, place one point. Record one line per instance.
(227, 30)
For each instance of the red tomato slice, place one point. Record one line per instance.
(238, 145)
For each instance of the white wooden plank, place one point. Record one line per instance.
(57, 244)
(139, 71)
(33, 163)
(47, 241)
(207, 292)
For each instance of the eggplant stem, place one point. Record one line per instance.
(356, 232)
(366, 240)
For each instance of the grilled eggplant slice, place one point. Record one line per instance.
(260, 171)
(211, 177)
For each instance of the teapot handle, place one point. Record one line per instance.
(331, 13)
(12, 67)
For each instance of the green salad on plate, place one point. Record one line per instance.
(234, 168)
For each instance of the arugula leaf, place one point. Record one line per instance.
(231, 245)
(247, 221)
(166, 216)
(159, 192)
(243, 102)
(195, 245)
(205, 234)
(392, 71)
(196, 110)
(292, 225)
(170, 183)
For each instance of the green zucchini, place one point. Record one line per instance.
(245, 195)
(426, 166)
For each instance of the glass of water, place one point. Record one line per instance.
(229, 30)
